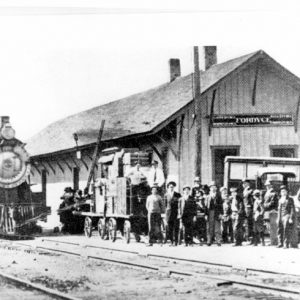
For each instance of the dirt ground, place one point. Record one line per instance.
(90, 279)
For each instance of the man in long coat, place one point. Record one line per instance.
(171, 204)
(270, 206)
(248, 204)
(214, 215)
(286, 217)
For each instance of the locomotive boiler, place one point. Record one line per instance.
(19, 207)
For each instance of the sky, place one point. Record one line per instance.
(58, 58)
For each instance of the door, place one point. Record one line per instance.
(218, 156)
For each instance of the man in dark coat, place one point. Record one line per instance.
(187, 211)
(171, 204)
(237, 215)
(248, 204)
(270, 207)
(214, 215)
(196, 187)
(200, 224)
(286, 217)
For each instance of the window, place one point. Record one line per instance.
(284, 151)
(218, 156)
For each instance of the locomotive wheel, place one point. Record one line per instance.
(112, 229)
(164, 230)
(127, 230)
(88, 227)
(102, 228)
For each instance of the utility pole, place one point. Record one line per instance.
(197, 103)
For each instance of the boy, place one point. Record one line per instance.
(154, 205)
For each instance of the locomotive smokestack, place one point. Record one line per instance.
(4, 120)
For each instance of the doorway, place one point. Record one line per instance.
(218, 156)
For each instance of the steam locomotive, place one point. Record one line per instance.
(19, 207)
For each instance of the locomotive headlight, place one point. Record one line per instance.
(7, 132)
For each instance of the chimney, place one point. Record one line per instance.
(4, 120)
(175, 72)
(210, 53)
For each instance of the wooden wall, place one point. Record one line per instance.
(234, 96)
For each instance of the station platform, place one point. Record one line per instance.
(246, 257)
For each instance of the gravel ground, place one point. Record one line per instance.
(10, 292)
(90, 279)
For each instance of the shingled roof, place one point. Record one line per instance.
(137, 114)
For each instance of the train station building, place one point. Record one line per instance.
(249, 107)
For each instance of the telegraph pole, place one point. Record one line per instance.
(197, 103)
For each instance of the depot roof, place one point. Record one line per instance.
(142, 113)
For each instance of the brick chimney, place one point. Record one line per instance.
(175, 72)
(4, 120)
(210, 55)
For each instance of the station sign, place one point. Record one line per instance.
(253, 120)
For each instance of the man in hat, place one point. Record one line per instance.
(227, 231)
(65, 209)
(214, 215)
(286, 217)
(258, 220)
(156, 175)
(196, 187)
(200, 224)
(187, 211)
(237, 215)
(270, 207)
(248, 203)
(171, 199)
(155, 207)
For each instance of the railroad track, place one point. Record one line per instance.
(168, 268)
(199, 262)
(18, 282)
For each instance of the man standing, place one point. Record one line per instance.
(286, 215)
(214, 215)
(156, 175)
(238, 215)
(136, 175)
(248, 203)
(270, 207)
(171, 203)
(196, 187)
(227, 231)
(187, 211)
(155, 208)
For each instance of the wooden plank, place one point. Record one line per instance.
(95, 155)
(50, 166)
(255, 83)
(74, 161)
(297, 114)
(198, 113)
(169, 146)
(67, 164)
(211, 116)
(179, 138)
(60, 166)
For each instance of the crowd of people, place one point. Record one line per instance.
(219, 215)
(72, 200)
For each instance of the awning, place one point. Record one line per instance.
(106, 159)
(276, 170)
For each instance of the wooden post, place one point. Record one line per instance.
(197, 103)
(95, 156)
